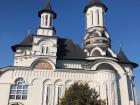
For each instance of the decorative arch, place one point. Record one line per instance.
(121, 78)
(45, 47)
(96, 53)
(95, 33)
(34, 80)
(107, 35)
(20, 78)
(58, 82)
(47, 82)
(44, 41)
(98, 32)
(112, 53)
(97, 50)
(21, 87)
(86, 51)
(114, 64)
(105, 66)
(43, 64)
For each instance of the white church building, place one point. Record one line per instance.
(45, 64)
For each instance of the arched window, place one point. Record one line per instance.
(96, 53)
(59, 94)
(58, 91)
(44, 50)
(47, 93)
(19, 90)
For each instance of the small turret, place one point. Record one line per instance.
(95, 11)
(97, 41)
(47, 16)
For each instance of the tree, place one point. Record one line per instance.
(81, 94)
(17, 103)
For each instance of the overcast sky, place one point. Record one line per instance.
(122, 22)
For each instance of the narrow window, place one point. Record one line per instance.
(47, 95)
(19, 90)
(42, 20)
(46, 19)
(43, 50)
(46, 50)
(98, 17)
(92, 19)
(58, 95)
(50, 21)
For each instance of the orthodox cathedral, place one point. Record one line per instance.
(45, 64)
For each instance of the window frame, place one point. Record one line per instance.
(18, 90)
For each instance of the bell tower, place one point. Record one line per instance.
(47, 15)
(95, 14)
(97, 41)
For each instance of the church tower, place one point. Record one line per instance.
(47, 15)
(42, 45)
(45, 65)
(97, 40)
(102, 59)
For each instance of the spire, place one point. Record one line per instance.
(95, 3)
(48, 6)
(48, 9)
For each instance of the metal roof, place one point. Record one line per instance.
(48, 9)
(66, 49)
(95, 3)
(124, 59)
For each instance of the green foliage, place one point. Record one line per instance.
(80, 94)
(17, 103)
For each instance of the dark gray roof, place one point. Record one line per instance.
(124, 59)
(48, 9)
(68, 50)
(0, 72)
(27, 42)
(95, 3)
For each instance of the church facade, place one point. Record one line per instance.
(45, 64)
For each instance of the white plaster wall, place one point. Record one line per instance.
(96, 79)
(95, 17)
(35, 93)
(69, 64)
(35, 52)
(4, 93)
(36, 78)
(46, 32)
(31, 59)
